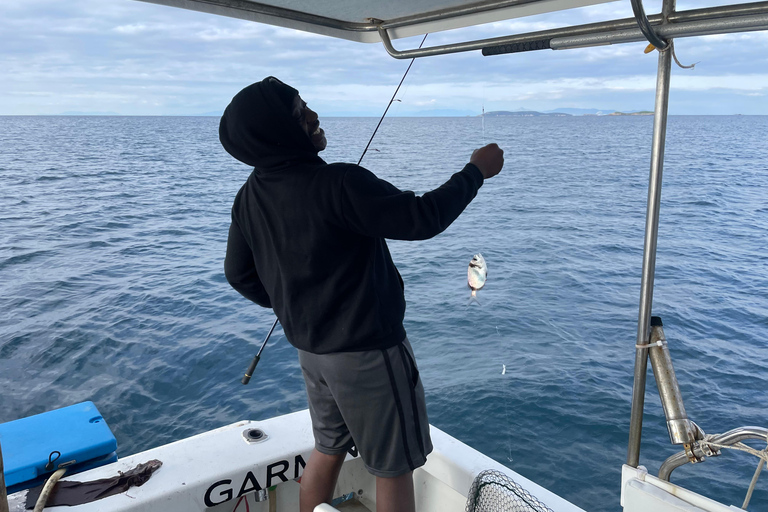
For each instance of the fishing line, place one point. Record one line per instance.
(390, 103)
(483, 123)
(506, 392)
(483, 114)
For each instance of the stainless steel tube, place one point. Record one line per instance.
(687, 29)
(3, 492)
(649, 251)
(680, 428)
(626, 28)
(729, 438)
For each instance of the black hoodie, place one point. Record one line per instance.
(307, 238)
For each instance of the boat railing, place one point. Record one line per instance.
(3, 494)
(697, 445)
(711, 445)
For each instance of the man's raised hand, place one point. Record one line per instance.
(489, 159)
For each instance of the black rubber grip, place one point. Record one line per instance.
(656, 321)
(526, 46)
(250, 370)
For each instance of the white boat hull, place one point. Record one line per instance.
(219, 471)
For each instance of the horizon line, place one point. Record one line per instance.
(627, 114)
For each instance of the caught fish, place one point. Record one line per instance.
(476, 275)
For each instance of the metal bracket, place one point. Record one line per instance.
(691, 454)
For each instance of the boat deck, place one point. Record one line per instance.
(353, 506)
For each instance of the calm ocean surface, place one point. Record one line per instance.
(112, 240)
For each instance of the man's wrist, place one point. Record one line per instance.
(475, 172)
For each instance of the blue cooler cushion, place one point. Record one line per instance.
(78, 433)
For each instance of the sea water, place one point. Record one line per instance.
(113, 233)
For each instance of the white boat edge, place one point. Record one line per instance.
(213, 470)
(221, 469)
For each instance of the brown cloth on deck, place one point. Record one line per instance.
(71, 493)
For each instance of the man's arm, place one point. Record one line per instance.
(374, 207)
(240, 270)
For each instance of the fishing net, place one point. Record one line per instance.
(493, 491)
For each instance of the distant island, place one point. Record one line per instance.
(641, 113)
(524, 113)
(556, 113)
(520, 112)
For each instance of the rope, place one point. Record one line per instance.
(48, 488)
(760, 454)
(672, 45)
(390, 102)
(752, 484)
(650, 48)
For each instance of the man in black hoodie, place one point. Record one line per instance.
(308, 240)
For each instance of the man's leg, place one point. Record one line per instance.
(319, 479)
(394, 494)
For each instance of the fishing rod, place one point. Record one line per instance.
(252, 366)
(390, 103)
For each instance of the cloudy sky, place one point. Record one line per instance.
(134, 58)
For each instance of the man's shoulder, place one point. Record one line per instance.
(351, 171)
(342, 172)
(342, 167)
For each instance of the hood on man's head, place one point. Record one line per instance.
(258, 127)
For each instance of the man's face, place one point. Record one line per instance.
(309, 123)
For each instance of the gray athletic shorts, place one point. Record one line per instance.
(372, 401)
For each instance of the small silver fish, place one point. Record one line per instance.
(476, 275)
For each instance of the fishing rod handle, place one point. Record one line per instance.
(249, 372)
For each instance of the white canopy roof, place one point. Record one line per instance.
(355, 19)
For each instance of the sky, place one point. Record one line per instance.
(134, 58)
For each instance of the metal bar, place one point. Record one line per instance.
(681, 430)
(649, 251)
(3, 490)
(689, 29)
(713, 12)
(630, 24)
(645, 26)
(729, 438)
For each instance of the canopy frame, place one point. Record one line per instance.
(694, 22)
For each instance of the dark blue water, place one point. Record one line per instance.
(112, 238)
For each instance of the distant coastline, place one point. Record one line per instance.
(562, 113)
(421, 114)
